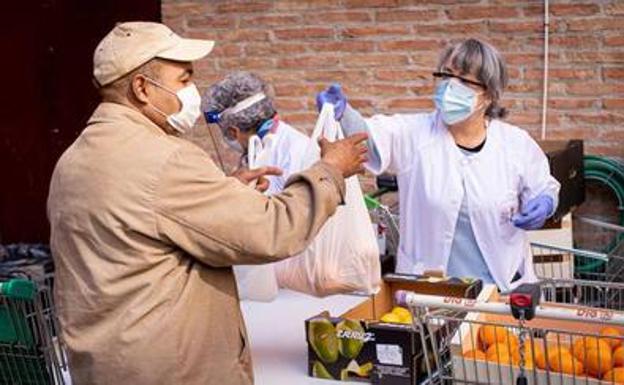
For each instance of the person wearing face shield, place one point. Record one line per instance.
(470, 185)
(242, 107)
(145, 228)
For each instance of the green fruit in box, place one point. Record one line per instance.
(323, 339)
(351, 336)
(319, 371)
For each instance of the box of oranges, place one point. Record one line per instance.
(375, 340)
(488, 348)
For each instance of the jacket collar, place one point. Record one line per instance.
(107, 112)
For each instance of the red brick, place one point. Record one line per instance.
(375, 31)
(524, 87)
(300, 119)
(410, 104)
(616, 40)
(280, 76)
(270, 20)
(295, 89)
(238, 63)
(429, 2)
(403, 75)
(315, 61)
(343, 46)
(615, 8)
(304, 33)
(614, 73)
(264, 49)
(372, 60)
(587, 88)
(338, 17)
(570, 103)
(361, 103)
(561, 73)
(614, 104)
(425, 59)
(615, 135)
(204, 21)
(289, 104)
(574, 9)
(244, 7)
(605, 149)
(370, 3)
(175, 10)
(401, 15)
(449, 28)
(592, 57)
(533, 10)
(243, 35)
(409, 45)
(567, 42)
(298, 5)
(227, 50)
(481, 12)
(576, 132)
(524, 58)
(516, 27)
(594, 24)
(381, 89)
(602, 118)
(335, 75)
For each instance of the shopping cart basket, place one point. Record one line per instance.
(516, 340)
(30, 350)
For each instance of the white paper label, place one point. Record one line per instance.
(390, 354)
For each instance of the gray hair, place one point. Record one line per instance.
(231, 90)
(480, 59)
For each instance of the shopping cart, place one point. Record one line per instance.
(603, 262)
(30, 350)
(529, 343)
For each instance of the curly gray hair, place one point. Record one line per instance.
(232, 89)
(478, 58)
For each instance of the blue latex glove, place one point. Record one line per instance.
(534, 213)
(333, 95)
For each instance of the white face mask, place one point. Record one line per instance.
(190, 99)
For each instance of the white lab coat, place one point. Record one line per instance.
(510, 169)
(289, 150)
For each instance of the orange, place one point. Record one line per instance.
(490, 335)
(598, 361)
(500, 353)
(618, 356)
(616, 341)
(586, 343)
(475, 355)
(562, 362)
(533, 353)
(615, 375)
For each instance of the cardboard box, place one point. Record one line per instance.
(357, 346)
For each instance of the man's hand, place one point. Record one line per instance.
(347, 155)
(247, 176)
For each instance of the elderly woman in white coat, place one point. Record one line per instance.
(470, 185)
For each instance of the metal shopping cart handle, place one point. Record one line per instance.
(571, 313)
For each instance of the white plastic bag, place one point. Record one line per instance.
(257, 282)
(344, 256)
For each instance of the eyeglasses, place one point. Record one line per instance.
(446, 75)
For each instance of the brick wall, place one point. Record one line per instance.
(383, 51)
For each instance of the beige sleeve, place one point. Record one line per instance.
(222, 222)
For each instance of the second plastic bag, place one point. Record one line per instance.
(344, 256)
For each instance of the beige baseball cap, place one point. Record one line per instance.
(130, 45)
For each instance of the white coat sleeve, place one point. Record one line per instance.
(396, 138)
(536, 177)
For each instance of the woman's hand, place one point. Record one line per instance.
(534, 214)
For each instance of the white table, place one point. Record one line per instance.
(277, 336)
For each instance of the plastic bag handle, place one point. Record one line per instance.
(326, 125)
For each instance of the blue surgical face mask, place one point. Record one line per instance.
(455, 101)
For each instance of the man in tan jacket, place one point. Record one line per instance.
(146, 229)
